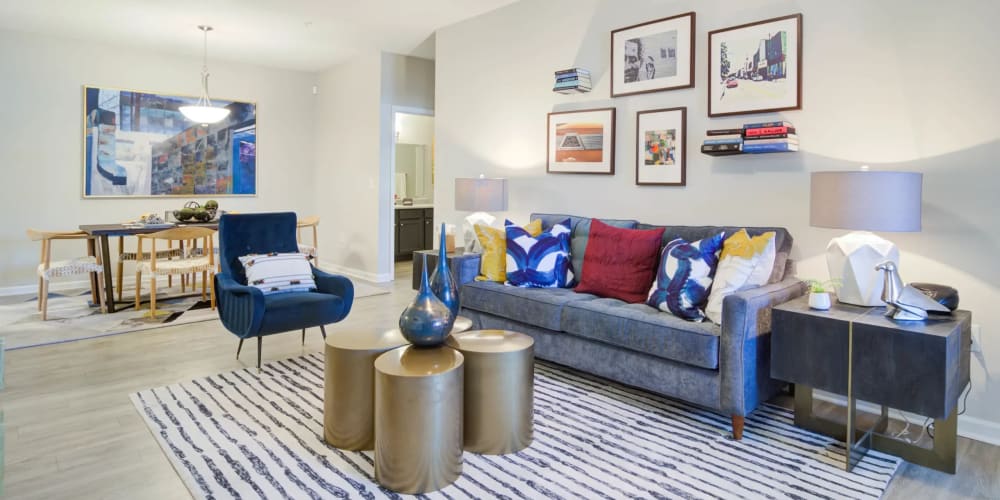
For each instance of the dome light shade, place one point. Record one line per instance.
(204, 114)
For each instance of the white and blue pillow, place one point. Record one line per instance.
(684, 277)
(279, 272)
(541, 261)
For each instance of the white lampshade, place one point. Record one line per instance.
(480, 194)
(866, 200)
(204, 114)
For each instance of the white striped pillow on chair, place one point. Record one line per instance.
(279, 272)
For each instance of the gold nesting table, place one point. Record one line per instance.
(499, 389)
(420, 407)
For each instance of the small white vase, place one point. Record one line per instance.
(819, 301)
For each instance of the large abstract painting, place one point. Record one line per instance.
(139, 144)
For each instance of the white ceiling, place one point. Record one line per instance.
(308, 35)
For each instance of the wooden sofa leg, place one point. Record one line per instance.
(737, 427)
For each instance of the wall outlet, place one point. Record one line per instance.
(977, 338)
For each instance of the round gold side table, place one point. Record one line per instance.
(418, 418)
(499, 389)
(349, 387)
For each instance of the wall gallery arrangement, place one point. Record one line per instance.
(752, 68)
(139, 144)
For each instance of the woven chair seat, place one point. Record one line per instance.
(177, 266)
(161, 254)
(308, 250)
(70, 267)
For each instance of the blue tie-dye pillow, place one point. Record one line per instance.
(539, 261)
(684, 277)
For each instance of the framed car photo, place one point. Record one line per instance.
(755, 67)
(661, 147)
(581, 142)
(653, 56)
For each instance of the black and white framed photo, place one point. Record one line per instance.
(661, 147)
(653, 56)
(755, 67)
(581, 142)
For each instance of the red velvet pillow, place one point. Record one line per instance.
(620, 263)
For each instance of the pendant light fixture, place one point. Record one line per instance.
(203, 112)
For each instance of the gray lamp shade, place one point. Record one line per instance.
(481, 195)
(866, 200)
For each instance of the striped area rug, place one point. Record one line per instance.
(244, 435)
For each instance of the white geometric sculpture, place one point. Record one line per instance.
(469, 237)
(852, 259)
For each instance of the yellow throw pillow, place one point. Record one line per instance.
(744, 262)
(493, 263)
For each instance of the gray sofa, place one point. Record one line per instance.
(726, 369)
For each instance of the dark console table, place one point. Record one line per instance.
(915, 366)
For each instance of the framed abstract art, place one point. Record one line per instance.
(661, 147)
(138, 144)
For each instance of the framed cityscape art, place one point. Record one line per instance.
(138, 144)
(755, 67)
(661, 147)
(581, 142)
(653, 56)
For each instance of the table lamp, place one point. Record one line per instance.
(479, 195)
(863, 201)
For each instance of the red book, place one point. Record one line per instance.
(751, 132)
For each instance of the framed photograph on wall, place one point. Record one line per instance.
(581, 142)
(653, 56)
(755, 67)
(661, 147)
(138, 144)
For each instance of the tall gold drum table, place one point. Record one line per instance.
(499, 390)
(418, 418)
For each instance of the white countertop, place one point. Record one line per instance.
(416, 205)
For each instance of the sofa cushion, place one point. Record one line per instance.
(580, 234)
(645, 329)
(540, 261)
(782, 240)
(541, 307)
(288, 311)
(620, 263)
(684, 277)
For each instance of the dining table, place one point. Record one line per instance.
(102, 232)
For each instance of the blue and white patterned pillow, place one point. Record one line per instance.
(684, 277)
(279, 272)
(541, 261)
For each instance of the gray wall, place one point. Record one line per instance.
(892, 84)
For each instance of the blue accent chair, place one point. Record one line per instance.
(245, 310)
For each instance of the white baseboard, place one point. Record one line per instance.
(968, 427)
(364, 275)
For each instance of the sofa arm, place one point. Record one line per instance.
(241, 307)
(334, 284)
(745, 353)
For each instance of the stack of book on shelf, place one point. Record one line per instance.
(769, 137)
(723, 142)
(572, 81)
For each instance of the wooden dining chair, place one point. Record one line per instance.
(189, 262)
(169, 253)
(48, 269)
(311, 250)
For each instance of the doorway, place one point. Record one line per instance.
(412, 182)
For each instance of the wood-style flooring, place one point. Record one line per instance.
(71, 431)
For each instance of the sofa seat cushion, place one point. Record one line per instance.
(645, 329)
(541, 307)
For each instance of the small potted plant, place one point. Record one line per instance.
(819, 293)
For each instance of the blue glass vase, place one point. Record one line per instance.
(427, 321)
(442, 282)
